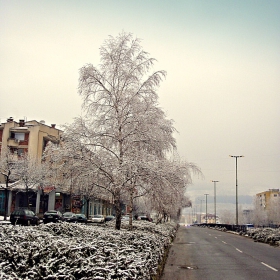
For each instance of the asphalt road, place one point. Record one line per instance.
(202, 253)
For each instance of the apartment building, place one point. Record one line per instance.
(22, 137)
(32, 137)
(269, 198)
(210, 219)
(27, 136)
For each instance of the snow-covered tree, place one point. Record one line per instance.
(7, 170)
(117, 97)
(227, 216)
(29, 171)
(259, 214)
(69, 168)
(123, 123)
(170, 184)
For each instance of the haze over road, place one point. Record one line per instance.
(202, 253)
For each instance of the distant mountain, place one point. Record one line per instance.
(242, 199)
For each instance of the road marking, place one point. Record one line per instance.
(224, 242)
(238, 250)
(269, 266)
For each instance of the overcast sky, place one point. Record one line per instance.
(223, 74)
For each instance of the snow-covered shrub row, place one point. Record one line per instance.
(73, 251)
(265, 235)
(166, 229)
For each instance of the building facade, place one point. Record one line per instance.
(32, 137)
(27, 136)
(210, 219)
(268, 199)
(24, 137)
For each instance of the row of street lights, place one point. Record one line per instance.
(215, 202)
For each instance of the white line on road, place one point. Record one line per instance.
(269, 266)
(238, 250)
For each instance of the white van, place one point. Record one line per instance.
(249, 226)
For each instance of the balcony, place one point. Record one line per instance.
(13, 142)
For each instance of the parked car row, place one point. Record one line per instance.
(28, 217)
(70, 217)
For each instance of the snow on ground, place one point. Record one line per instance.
(74, 251)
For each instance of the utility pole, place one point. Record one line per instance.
(200, 209)
(215, 200)
(236, 187)
(206, 207)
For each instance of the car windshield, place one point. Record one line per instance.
(97, 216)
(18, 212)
(68, 214)
(51, 212)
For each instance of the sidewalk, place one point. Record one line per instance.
(176, 265)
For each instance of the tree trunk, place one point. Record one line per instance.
(6, 203)
(87, 212)
(27, 196)
(130, 210)
(117, 203)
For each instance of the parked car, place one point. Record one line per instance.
(125, 218)
(52, 216)
(144, 218)
(81, 218)
(109, 218)
(24, 217)
(98, 219)
(69, 217)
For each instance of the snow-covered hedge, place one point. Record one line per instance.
(73, 251)
(265, 235)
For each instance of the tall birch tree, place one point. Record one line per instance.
(120, 103)
(122, 123)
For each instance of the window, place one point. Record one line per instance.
(19, 136)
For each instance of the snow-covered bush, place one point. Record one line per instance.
(265, 235)
(74, 251)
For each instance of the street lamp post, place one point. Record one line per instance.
(200, 209)
(236, 187)
(206, 207)
(215, 200)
